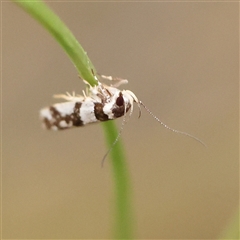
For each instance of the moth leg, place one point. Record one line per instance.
(118, 81)
(69, 97)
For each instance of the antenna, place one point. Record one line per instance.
(169, 128)
(124, 122)
(116, 140)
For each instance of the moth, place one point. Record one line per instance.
(99, 103)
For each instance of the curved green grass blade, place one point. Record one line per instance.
(123, 214)
(63, 36)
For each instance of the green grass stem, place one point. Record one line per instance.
(50, 21)
(122, 228)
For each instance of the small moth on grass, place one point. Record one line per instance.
(99, 103)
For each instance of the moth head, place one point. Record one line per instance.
(121, 104)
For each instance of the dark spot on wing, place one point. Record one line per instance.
(64, 122)
(98, 111)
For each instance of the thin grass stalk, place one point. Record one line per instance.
(122, 228)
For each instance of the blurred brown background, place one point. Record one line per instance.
(181, 60)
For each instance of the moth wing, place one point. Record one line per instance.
(68, 114)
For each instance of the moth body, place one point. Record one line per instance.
(102, 103)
